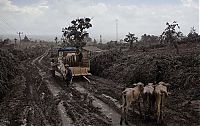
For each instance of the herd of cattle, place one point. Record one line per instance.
(153, 97)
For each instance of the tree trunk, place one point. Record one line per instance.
(176, 46)
(131, 44)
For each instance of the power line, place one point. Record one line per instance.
(3, 26)
(100, 41)
(7, 25)
(3, 30)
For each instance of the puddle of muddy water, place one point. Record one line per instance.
(54, 90)
(106, 110)
(115, 101)
(66, 121)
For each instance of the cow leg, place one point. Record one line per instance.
(145, 105)
(123, 108)
(122, 115)
(162, 106)
(152, 103)
(139, 109)
(158, 101)
(126, 121)
(126, 112)
(121, 120)
(148, 104)
(158, 113)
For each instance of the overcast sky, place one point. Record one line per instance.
(48, 17)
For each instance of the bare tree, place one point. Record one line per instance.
(130, 38)
(171, 36)
(74, 34)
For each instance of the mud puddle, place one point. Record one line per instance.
(66, 121)
(106, 110)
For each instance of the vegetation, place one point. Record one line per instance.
(74, 35)
(171, 36)
(56, 39)
(192, 33)
(130, 38)
(149, 39)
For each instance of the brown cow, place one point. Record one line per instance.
(130, 95)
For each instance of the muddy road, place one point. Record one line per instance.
(37, 99)
(76, 105)
(24, 103)
(42, 100)
(94, 103)
(86, 103)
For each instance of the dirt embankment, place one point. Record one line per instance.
(22, 102)
(181, 71)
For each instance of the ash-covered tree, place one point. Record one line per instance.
(95, 41)
(130, 38)
(74, 35)
(149, 39)
(170, 35)
(192, 33)
(56, 39)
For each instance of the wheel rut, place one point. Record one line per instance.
(66, 121)
(56, 89)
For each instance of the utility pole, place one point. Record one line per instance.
(116, 30)
(20, 36)
(100, 41)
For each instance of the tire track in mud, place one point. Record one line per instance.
(105, 108)
(32, 107)
(56, 89)
(66, 121)
(109, 106)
